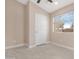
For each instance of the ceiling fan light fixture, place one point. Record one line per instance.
(56, 3)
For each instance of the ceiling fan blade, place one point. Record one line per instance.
(50, 1)
(38, 1)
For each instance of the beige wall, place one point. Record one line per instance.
(14, 23)
(20, 24)
(66, 38)
(26, 25)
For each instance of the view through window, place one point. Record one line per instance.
(64, 22)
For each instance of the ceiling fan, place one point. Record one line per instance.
(38, 1)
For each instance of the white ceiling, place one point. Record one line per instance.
(23, 1)
(49, 7)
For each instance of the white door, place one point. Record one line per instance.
(41, 28)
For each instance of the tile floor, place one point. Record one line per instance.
(41, 52)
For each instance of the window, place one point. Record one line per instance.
(64, 22)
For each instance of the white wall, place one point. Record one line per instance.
(34, 9)
(65, 39)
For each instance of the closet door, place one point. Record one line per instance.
(41, 28)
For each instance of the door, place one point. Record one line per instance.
(41, 28)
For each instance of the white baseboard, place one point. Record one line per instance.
(15, 46)
(47, 42)
(20, 45)
(31, 46)
(63, 46)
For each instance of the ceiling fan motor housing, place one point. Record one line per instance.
(38, 1)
